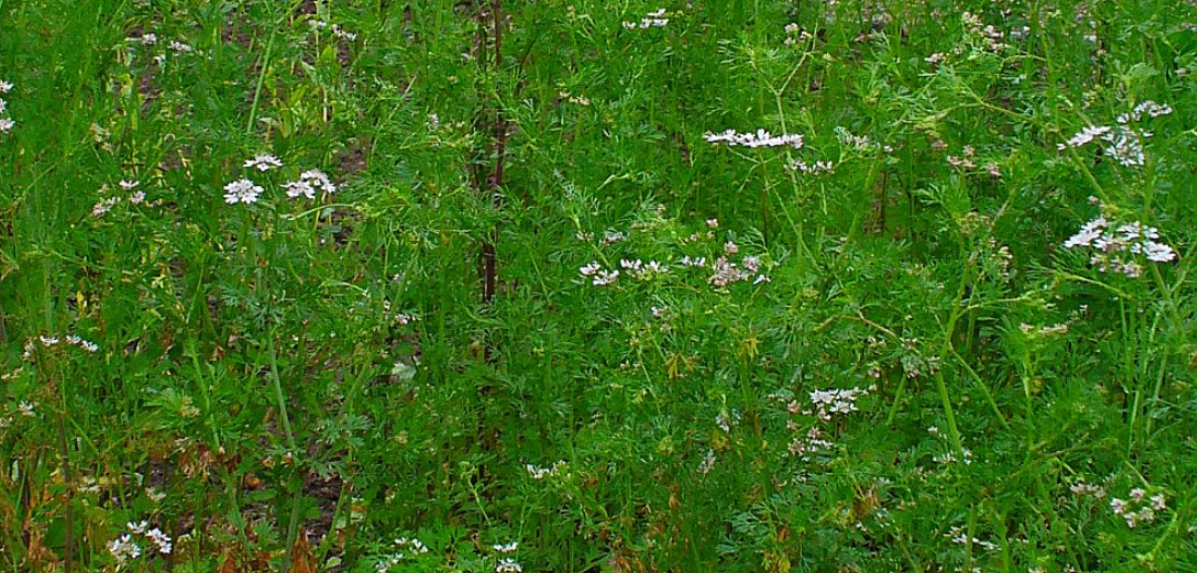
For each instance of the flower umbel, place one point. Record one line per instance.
(242, 191)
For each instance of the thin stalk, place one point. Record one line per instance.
(69, 550)
(293, 525)
(253, 110)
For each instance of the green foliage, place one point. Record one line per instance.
(886, 347)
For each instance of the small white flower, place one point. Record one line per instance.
(5, 87)
(300, 189)
(414, 544)
(708, 463)
(1118, 506)
(263, 162)
(1084, 136)
(124, 549)
(508, 548)
(611, 237)
(508, 565)
(161, 540)
(1158, 503)
(341, 33)
(633, 266)
(319, 180)
(180, 47)
(761, 138)
(309, 182)
(241, 191)
(752, 263)
(590, 269)
(604, 278)
(26, 409)
(6, 125)
(100, 209)
(128, 185)
(1089, 233)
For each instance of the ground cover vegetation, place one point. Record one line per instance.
(515, 285)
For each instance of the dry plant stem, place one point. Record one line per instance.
(491, 181)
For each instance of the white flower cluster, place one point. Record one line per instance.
(1137, 510)
(407, 544)
(827, 404)
(1112, 245)
(1148, 107)
(707, 464)
(242, 191)
(860, 143)
(965, 162)
(985, 32)
(815, 168)
(6, 123)
(125, 547)
(959, 537)
(263, 162)
(1125, 144)
(640, 270)
(414, 545)
(1126, 147)
(539, 473)
(812, 442)
(834, 402)
(337, 30)
(727, 272)
(611, 237)
(151, 39)
(508, 565)
(246, 191)
(511, 547)
(52, 341)
(1081, 488)
(966, 456)
(761, 138)
(655, 19)
(309, 182)
(103, 206)
(600, 277)
(795, 34)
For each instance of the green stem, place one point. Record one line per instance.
(293, 525)
(253, 110)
